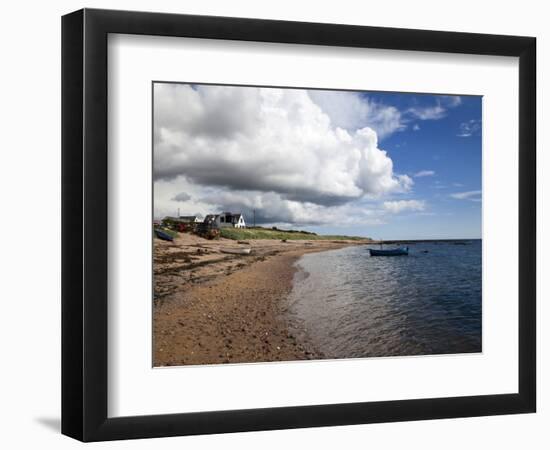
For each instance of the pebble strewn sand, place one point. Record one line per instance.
(212, 307)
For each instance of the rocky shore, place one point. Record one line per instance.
(211, 307)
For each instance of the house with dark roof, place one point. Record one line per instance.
(189, 219)
(181, 223)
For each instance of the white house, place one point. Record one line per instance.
(227, 219)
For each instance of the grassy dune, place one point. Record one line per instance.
(268, 233)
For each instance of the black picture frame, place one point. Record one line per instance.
(84, 224)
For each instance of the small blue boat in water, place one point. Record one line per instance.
(162, 235)
(400, 251)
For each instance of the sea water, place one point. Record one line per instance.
(350, 304)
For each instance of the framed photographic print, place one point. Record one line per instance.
(267, 224)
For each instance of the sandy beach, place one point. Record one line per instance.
(212, 307)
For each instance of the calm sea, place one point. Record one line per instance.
(353, 305)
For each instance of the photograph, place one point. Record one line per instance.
(270, 226)
(296, 224)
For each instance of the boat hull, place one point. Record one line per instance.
(164, 236)
(403, 251)
(236, 251)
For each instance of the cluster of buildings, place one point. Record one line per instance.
(223, 220)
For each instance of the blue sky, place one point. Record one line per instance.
(447, 147)
(383, 165)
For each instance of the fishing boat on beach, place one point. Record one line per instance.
(163, 235)
(236, 251)
(400, 251)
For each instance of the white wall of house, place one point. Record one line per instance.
(240, 223)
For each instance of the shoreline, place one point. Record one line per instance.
(212, 309)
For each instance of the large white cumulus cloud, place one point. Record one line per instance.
(351, 111)
(279, 151)
(275, 140)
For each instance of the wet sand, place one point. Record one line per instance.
(211, 307)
